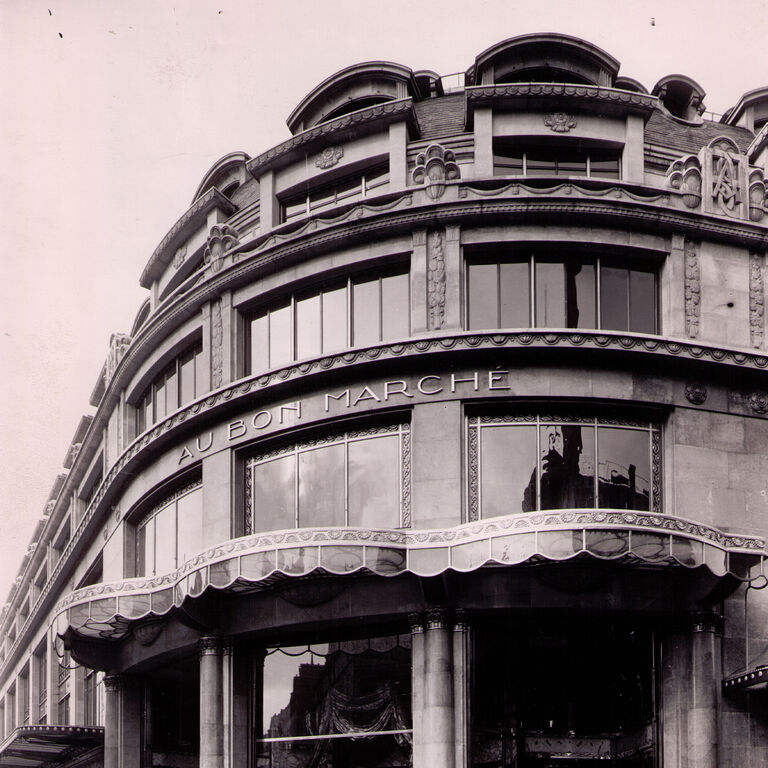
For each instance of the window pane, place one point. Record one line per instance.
(572, 164)
(374, 482)
(580, 296)
(296, 206)
(172, 391)
(141, 551)
(160, 410)
(567, 466)
(308, 327)
(550, 294)
(508, 466)
(538, 164)
(604, 166)
(190, 520)
(201, 384)
(624, 470)
(165, 539)
(613, 299)
(395, 310)
(365, 325)
(321, 486)
(259, 344)
(508, 163)
(642, 302)
(335, 319)
(187, 376)
(483, 296)
(274, 494)
(280, 346)
(515, 293)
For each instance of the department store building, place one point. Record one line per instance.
(441, 440)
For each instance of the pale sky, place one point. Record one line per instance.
(111, 113)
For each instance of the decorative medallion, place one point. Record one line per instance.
(758, 402)
(433, 168)
(329, 157)
(695, 393)
(692, 289)
(180, 256)
(756, 300)
(560, 122)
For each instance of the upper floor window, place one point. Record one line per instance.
(356, 478)
(516, 159)
(345, 189)
(180, 383)
(549, 290)
(355, 312)
(524, 463)
(171, 533)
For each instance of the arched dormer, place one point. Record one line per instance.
(630, 84)
(141, 316)
(353, 88)
(681, 96)
(543, 58)
(751, 111)
(226, 174)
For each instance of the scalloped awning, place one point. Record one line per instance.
(258, 562)
(29, 746)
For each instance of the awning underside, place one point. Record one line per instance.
(30, 746)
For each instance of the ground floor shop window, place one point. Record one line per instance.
(337, 705)
(524, 463)
(577, 692)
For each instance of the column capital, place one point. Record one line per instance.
(416, 620)
(706, 621)
(460, 623)
(113, 683)
(437, 618)
(209, 645)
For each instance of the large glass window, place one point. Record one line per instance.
(171, 533)
(520, 159)
(354, 312)
(337, 704)
(180, 383)
(523, 463)
(340, 190)
(354, 479)
(573, 290)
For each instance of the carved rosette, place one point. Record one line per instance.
(758, 402)
(756, 300)
(433, 168)
(217, 345)
(436, 280)
(221, 238)
(692, 289)
(329, 157)
(695, 393)
(685, 176)
(559, 122)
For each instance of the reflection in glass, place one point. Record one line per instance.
(355, 688)
(321, 486)
(374, 482)
(274, 494)
(550, 294)
(567, 467)
(580, 305)
(624, 468)
(507, 455)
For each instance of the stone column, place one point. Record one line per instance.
(112, 688)
(211, 704)
(461, 689)
(706, 677)
(417, 688)
(438, 710)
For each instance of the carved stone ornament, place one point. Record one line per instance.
(695, 393)
(217, 345)
(118, 344)
(74, 449)
(222, 238)
(209, 644)
(726, 190)
(692, 289)
(329, 157)
(435, 280)
(113, 683)
(758, 195)
(756, 301)
(433, 168)
(49, 507)
(685, 176)
(180, 256)
(758, 402)
(559, 122)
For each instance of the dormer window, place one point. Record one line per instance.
(515, 158)
(543, 75)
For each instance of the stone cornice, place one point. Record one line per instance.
(390, 111)
(519, 96)
(632, 537)
(193, 218)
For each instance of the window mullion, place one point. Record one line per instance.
(532, 289)
(538, 463)
(346, 479)
(598, 289)
(296, 487)
(589, 167)
(596, 481)
(349, 311)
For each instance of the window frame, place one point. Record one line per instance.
(496, 254)
(586, 149)
(474, 422)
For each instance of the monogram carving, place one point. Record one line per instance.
(756, 300)
(692, 289)
(726, 190)
(329, 157)
(222, 238)
(433, 168)
(560, 122)
(435, 280)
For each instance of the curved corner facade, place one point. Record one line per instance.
(441, 440)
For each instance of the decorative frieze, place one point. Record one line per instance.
(756, 301)
(436, 279)
(217, 344)
(692, 289)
